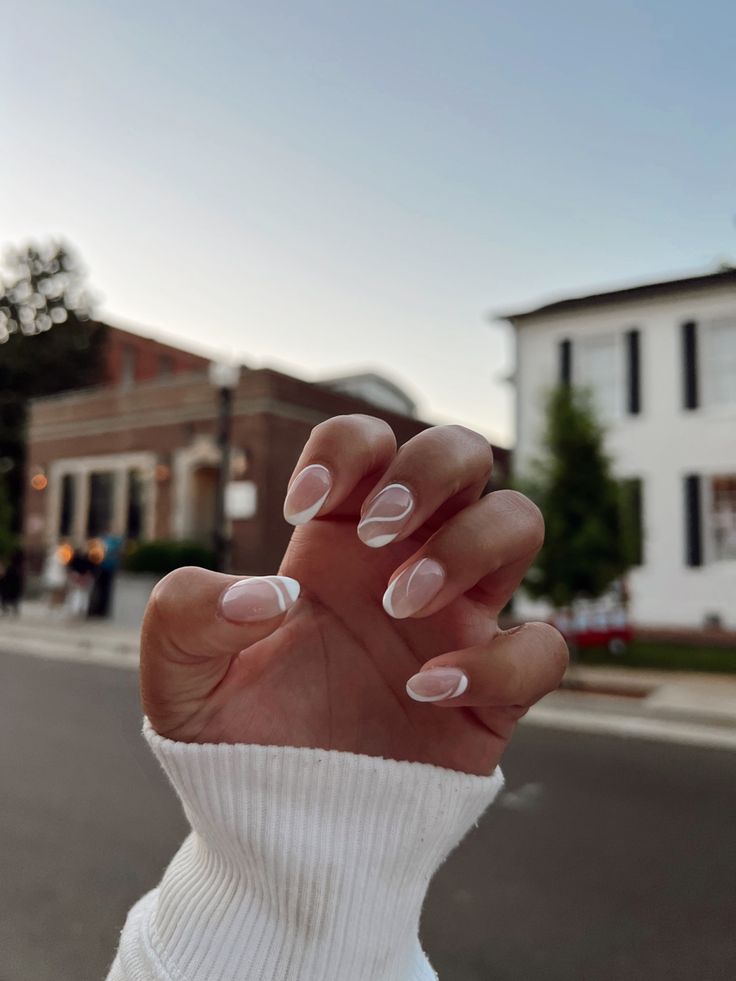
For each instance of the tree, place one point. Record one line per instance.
(47, 344)
(590, 538)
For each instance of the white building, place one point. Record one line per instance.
(660, 360)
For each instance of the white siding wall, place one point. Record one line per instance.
(660, 445)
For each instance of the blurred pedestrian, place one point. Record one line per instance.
(100, 604)
(81, 578)
(55, 575)
(11, 584)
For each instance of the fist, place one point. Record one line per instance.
(379, 634)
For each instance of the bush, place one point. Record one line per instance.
(162, 556)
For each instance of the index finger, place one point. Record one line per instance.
(340, 453)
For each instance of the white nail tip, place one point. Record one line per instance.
(380, 540)
(281, 584)
(291, 586)
(459, 688)
(301, 517)
(387, 605)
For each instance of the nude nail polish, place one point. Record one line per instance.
(259, 598)
(307, 494)
(436, 684)
(387, 514)
(413, 588)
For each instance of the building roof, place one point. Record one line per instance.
(722, 277)
(364, 383)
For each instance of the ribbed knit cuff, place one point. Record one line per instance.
(304, 863)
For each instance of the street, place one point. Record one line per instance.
(607, 858)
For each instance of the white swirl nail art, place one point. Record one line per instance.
(376, 541)
(281, 584)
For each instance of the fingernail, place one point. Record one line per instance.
(307, 494)
(434, 684)
(258, 598)
(386, 515)
(413, 588)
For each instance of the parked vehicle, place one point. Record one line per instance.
(602, 623)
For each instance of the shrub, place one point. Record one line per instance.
(163, 555)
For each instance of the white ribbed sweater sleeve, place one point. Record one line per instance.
(302, 865)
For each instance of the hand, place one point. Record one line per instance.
(332, 670)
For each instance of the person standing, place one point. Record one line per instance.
(11, 584)
(100, 604)
(81, 578)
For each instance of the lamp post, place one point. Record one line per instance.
(224, 378)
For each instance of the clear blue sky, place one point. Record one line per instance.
(323, 186)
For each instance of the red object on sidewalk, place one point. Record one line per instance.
(589, 627)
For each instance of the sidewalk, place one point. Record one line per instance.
(669, 706)
(40, 634)
(664, 705)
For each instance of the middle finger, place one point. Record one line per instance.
(441, 469)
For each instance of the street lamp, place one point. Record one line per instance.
(223, 376)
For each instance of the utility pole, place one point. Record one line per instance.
(224, 378)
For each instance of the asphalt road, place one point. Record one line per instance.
(606, 859)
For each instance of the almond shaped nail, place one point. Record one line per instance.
(259, 598)
(436, 684)
(412, 589)
(307, 494)
(387, 514)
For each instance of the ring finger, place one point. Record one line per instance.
(483, 550)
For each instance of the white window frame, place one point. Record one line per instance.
(616, 338)
(706, 329)
(81, 467)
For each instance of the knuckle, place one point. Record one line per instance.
(555, 646)
(525, 512)
(165, 599)
(460, 445)
(354, 425)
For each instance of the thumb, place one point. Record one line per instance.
(195, 623)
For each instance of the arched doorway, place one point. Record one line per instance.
(203, 504)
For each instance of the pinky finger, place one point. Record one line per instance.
(517, 668)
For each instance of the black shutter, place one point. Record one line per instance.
(566, 362)
(633, 365)
(693, 530)
(633, 501)
(689, 366)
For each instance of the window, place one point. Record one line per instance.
(68, 501)
(101, 492)
(599, 367)
(723, 516)
(129, 366)
(719, 361)
(165, 365)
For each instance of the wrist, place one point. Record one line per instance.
(304, 863)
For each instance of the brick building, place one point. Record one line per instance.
(131, 358)
(143, 460)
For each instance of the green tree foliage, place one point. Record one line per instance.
(590, 538)
(47, 343)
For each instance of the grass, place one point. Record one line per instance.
(663, 656)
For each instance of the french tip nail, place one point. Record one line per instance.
(378, 541)
(292, 587)
(439, 684)
(259, 598)
(386, 601)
